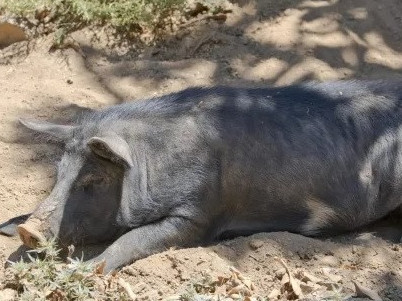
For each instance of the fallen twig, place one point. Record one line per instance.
(127, 288)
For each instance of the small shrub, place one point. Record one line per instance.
(46, 277)
(70, 15)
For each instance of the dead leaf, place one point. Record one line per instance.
(292, 281)
(71, 250)
(305, 277)
(362, 291)
(100, 267)
(328, 285)
(285, 279)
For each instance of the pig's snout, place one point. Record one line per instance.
(30, 234)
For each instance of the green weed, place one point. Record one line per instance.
(46, 277)
(69, 15)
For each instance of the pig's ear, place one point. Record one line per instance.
(9, 228)
(111, 147)
(57, 131)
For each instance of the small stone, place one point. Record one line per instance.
(274, 294)
(329, 260)
(279, 273)
(69, 81)
(8, 294)
(288, 12)
(10, 33)
(255, 244)
(333, 277)
(235, 296)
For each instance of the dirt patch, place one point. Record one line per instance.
(258, 43)
(323, 268)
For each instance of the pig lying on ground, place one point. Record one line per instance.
(204, 164)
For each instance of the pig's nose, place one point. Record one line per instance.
(30, 235)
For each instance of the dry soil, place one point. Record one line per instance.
(257, 43)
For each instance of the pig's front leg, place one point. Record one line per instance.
(150, 239)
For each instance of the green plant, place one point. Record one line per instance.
(69, 15)
(45, 276)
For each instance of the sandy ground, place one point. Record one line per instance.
(260, 42)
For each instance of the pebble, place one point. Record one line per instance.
(8, 294)
(255, 244)
(10, 33)
(329, 260)
(274, 294)
(279, 273)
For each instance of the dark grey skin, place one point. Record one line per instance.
(9, 228)
(200, 165)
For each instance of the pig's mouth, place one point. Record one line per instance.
(30, 234)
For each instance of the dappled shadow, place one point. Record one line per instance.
(312, 107)
(45, 150)
(17, 255)
(265, 42)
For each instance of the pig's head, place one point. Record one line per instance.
(84, 204)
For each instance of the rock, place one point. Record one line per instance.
(331, 276)
(255, 244)
(279, 273)
(274, 294)
(8, 294)
(10, 33)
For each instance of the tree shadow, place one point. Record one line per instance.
(264, 42)
(269, 43)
